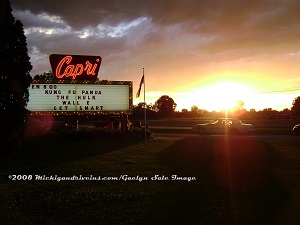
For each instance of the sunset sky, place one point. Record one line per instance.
(208, 53)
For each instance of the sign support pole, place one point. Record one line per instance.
(145, 106)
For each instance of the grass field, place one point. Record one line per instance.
(222, 180)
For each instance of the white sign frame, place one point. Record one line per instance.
(80, 97)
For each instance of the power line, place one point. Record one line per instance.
(278, 91)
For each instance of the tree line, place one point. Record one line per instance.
(165, 107)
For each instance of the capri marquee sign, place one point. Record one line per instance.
(75, 89)
(80, 98)
(75, 67)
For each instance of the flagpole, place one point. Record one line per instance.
(145, 107)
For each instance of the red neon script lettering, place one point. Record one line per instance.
(89, 70)
(74, 70)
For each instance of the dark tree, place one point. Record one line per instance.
(195, 111)
(296, 106)
(165, 106)
(14, 71)
(139, 111)
(44, 76)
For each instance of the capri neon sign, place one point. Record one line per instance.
(75, 67)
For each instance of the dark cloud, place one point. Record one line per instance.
(204, 17)
(82, 13)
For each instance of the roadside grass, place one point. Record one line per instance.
(288, 172)
(239, 180)
(236, 181)
(84, 202)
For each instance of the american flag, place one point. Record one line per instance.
(139, 91)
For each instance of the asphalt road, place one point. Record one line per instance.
(182, 135)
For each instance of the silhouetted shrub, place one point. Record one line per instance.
(139, 133)
(94, 133)
(104, 133)
(87, 134)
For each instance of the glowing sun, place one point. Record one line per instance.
(222, 96)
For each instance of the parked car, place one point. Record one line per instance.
(224, 126)
(296, 129)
